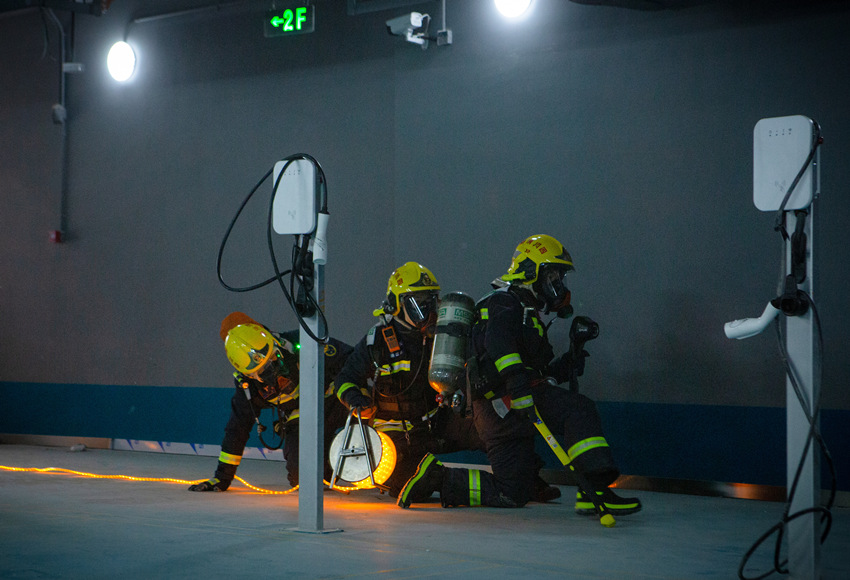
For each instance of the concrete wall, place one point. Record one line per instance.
(626, 134)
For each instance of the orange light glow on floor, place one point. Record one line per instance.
(61, 470)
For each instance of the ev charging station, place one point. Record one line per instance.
(298, 208)
(786, 172)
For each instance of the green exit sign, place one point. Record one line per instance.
(292, 20)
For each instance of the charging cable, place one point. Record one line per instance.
(303, 258)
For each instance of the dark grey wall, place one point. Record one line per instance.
(625, 134)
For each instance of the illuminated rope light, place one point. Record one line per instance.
(48, 470)
(385, 465)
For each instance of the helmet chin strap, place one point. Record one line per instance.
(404, 324)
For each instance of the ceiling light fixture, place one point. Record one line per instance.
(121, 61)
(512, 8)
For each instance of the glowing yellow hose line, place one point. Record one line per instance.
(156, 479)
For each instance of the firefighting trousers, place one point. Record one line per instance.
(242, 421)
(509, 442)
(446, 433)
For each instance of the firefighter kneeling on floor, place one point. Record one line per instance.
(267, 377)
(386, 377)
(513, 369)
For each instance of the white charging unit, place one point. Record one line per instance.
(294, 208)
(781, 148)
(295, 211)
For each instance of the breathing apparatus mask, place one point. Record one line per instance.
(419, 310)
(276, 377)
(551, 288)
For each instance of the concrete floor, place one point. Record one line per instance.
(55, 525)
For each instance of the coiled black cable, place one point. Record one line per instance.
(812, 416)
(301, 258)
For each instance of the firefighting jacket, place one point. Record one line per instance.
(395, 378)
(511, 345)
(245, 410)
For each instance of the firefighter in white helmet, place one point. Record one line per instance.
(266, 377)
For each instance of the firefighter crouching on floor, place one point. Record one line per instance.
(386, 377)
(516, 371)
(267, 377)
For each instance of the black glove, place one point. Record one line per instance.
(358, 400)
(578, 362)
(213, 484)
(561, 368)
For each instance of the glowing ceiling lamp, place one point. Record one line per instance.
(512, 8)
(121, 61)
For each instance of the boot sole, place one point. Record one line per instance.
(588, 509)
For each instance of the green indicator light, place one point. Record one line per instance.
(291, 20)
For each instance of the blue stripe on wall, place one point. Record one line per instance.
(699, 442)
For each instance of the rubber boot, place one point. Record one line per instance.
(427, 479)
(618, 506)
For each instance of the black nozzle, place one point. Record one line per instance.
(792, 302)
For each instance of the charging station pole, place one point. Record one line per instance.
(804, 547)
(296, 211)
(786, 171)
(312, 418)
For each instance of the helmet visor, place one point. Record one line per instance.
(420, 308)
(276, 374)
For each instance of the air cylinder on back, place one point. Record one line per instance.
(448, 355)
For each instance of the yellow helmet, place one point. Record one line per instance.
(411, 277)
(253, 351)
(412, 294)
(249, 347)
(534, 252)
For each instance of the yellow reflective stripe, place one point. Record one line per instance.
(390, 425)
(280, 399)
(343, 388)
(586, 445)
(395, 424)
(485, 315)
(508, 360)
(522, 402)
(474, 487)
(537, 326)
(396, 367)
(292, 416)
(229, 459)
(402, 365)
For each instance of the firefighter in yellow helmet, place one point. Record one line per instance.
(386, 376)
(517, 371)
(266, 377)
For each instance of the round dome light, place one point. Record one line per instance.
(121, 61)
(512, 8)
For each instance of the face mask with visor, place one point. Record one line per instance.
(276, 377)
(552, 286)
(420, 309)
